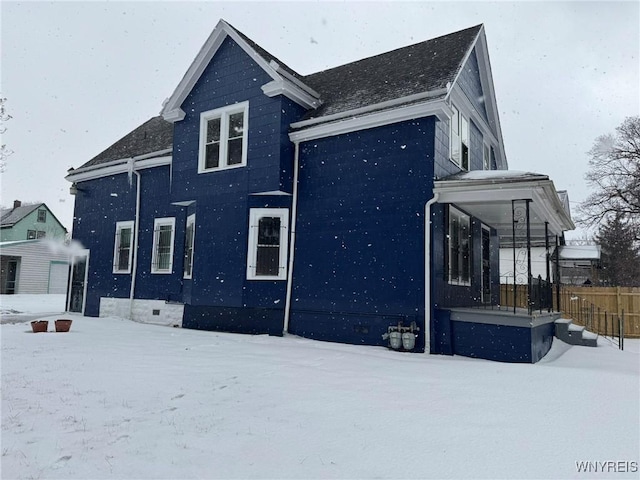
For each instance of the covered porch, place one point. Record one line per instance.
(526, 212)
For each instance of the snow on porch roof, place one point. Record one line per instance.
(488, 196)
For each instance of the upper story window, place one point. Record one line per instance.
(267, 256)
(163, 236)
(122, 247)
(459, 139)
(189, 239)
(459, 247)
(223, 138)
(486, 157)
(42, 216)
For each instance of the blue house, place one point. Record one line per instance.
(348, 205)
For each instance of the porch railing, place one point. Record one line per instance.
(535, 296)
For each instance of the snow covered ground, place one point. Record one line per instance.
(118, 399)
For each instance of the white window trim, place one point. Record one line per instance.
(223, 113)
(116, 244)
(486, 156)
(459, 214)
(254, 216)
(457, 138)
(191, 220)
(157, 223)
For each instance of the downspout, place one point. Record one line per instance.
(292, 239)
(427, 272)
(134, 257)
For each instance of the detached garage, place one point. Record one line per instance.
(32, 266)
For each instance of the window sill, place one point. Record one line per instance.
(221, 169)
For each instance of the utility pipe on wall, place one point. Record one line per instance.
(134, 257)
(427, 272)
(292, 238)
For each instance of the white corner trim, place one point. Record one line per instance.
(438, 108)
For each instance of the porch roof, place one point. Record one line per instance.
(488, 196)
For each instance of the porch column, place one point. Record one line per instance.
(548, 290)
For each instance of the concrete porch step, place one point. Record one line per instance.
(574, 334)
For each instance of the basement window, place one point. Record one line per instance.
(267, 254)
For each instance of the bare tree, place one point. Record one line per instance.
(615, 177)
(4, 117)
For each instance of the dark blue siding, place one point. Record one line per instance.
(103, 202)
(99, 205)
(502, 343)
(223, 198)
(360, 232)
(469, 81)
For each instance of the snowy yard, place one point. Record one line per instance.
(117, 399)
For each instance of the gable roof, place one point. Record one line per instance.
(11, 216)
(285, 80)
(429, 66)
(406, 76)
(154, 135)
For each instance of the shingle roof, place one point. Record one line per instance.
(11, 216)
(154, 135)
(425, 66)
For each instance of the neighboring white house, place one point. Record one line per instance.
(33, 266)
(579, 264)
(538, 265)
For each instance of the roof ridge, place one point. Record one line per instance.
(476, 27)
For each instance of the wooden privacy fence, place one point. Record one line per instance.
(597, 308)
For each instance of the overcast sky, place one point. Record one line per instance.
(80, 75)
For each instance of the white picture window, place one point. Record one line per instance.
(122, 247)
(459, 248)
(223, 138)
(268, 235)
(189, 239)
(163, 236)
(459, 139)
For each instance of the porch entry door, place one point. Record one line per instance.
(486, 266)
(78, 283)
(12, 277)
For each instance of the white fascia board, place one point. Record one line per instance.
(115, 168)
(486, 80)
(370, 108)
(437, 108)
(171, 110)
(289, 90)
(458, 98)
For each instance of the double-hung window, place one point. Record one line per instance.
(459, 248)
(163, 236)
(189, 238)
(223, 138)
(268, 234)
(42, 216)
(459, 139)
(486, 157)
(122, 247)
